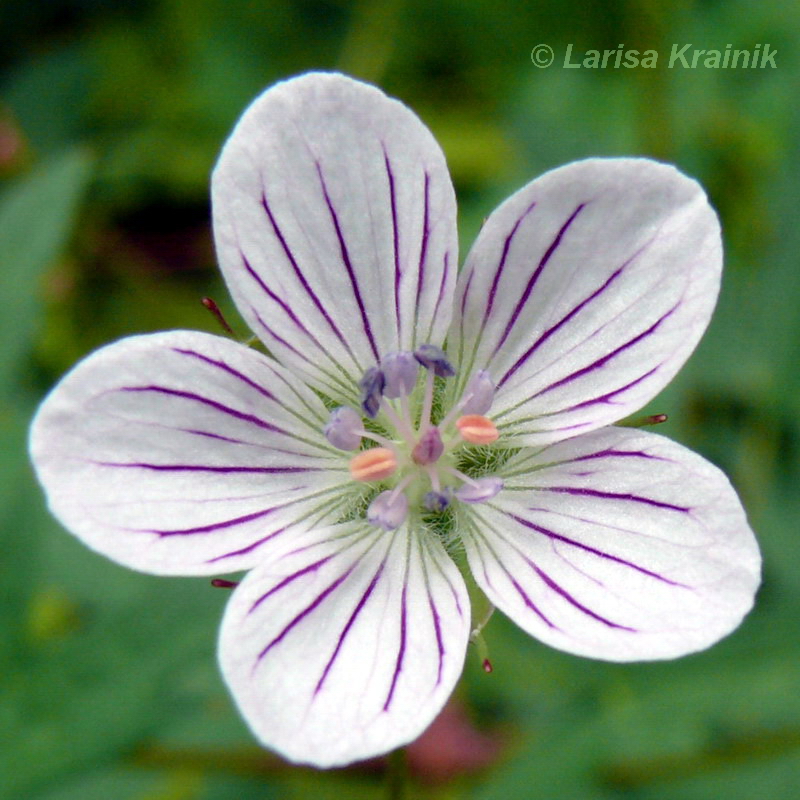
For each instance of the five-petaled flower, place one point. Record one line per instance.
(413, 431)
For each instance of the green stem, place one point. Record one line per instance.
(396, 774)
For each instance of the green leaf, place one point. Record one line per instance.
(36, 219)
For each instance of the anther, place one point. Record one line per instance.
(400, 373)
(479, 393)
(433, 358)
(429, 447)
(373, 465)
(221, 583)
(388, 510)
(342, 428)
(476, 429)
(480, 490)
(437, 501)
(371, 386)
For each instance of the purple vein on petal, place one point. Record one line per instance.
(437, 626)
(464, 305)
(602, 361)
(512, 580)
(215, 526)
(612, 453)
(282, 303)
(241, 415)
(554, 328)
(594, 551)
(307, 610)
(401, 651)
(289, 579)
(551, 584)
(350, 622)
(423, 245)
(627, 497)
(226, 368)
(348, 264)
(445, 275)
(249, 548)
(398, 273)
(277, 338)
(502, 263)
(205, 468)
(536, 274)
(606, 399)
(297, 271)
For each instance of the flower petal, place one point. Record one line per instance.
(619, 545)
(346, 643)
(335, 224)
(585, 293)
(182, 453)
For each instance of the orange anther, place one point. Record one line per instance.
(477, 429)
(373, 465)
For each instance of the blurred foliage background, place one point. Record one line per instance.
(111, 117)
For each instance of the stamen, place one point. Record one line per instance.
(221, 583)
(476, 429)
(373, 465)
(402, 427)
(433, 358)
(437, 501)
(479, 393)
(429, 447)
(400, 371)
(344, 428)
(371, 386)
(485, 490)
(388, 511)
(427, 403)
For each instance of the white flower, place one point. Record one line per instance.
(335, 223)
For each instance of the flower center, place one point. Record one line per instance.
(413, 457)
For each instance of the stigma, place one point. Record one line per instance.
(413, 460)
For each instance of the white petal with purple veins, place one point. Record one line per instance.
(619, 545)
(585, 293)
(334, 218)
(183, 453)
(346, 643)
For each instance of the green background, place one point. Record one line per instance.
(110, 120)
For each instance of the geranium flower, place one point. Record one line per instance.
(413, 430)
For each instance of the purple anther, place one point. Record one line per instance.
(428, 448)
(388, 512)
(341, 429)
(478, 394)
(484, 489)
(400, 371)
(433, 357)
(437, 501)
(371, 386)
